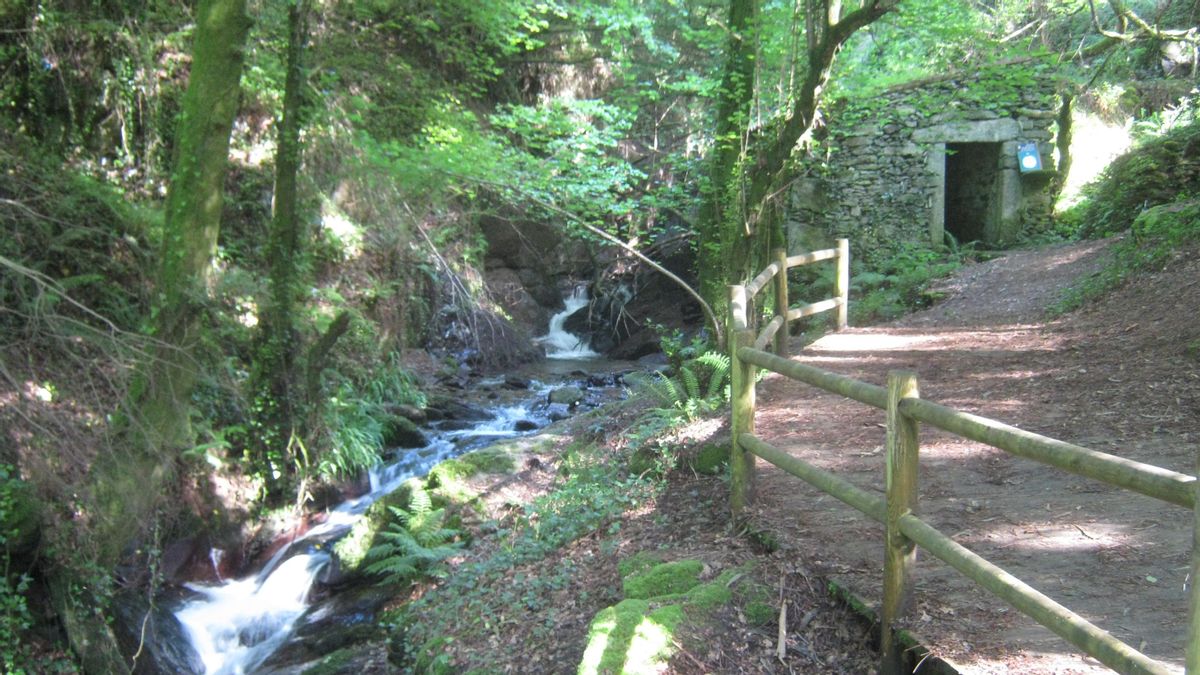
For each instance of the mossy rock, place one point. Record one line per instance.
(710, 459)
(491, 460)
(1168, 221)
(644, 461)
(401, 432)
(568, 395)
(631, 637)
(665, 579)
(704, 599)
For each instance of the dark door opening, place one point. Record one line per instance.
(972, 177)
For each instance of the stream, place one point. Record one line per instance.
(235, 627)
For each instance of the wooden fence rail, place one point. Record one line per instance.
(896, 510)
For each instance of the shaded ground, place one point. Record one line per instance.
(1122, 377)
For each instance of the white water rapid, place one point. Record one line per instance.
(559, 343)
(236, 626)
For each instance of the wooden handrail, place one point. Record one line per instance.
(1170, 486)
(870, 394)
(1029, 601)
(904, 531)
(828, 482)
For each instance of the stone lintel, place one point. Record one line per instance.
(983, 131)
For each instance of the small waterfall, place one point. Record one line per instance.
(559, 343)
(237, 625)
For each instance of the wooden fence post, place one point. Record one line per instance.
(842, 285)
(901, 552)
(1192, 664)
(781, 303)
(741, 390)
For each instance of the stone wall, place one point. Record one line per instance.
(881, 175)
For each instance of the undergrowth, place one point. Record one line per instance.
(504, 589)
(895, 282)
(1156, 236)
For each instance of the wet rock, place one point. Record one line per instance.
(513, 382)
(401, 432)
(163, 641)
(653, 362)
(569, 395)
(408, 412)
(448, 409)
(344, 619)
(525, 425)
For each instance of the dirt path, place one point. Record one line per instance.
(1122, 378)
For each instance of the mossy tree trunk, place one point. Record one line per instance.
(741, 217)
(279, 398)
(128, 487)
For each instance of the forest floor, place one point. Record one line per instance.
(1121, 377)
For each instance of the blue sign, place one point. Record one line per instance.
(1028, 158)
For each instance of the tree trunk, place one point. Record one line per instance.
(280, 401)
(740, 228)
(128, 487)
(722, 212)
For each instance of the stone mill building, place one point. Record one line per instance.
(969, 156)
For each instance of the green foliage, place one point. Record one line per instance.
(1156, 171)
(920, 38)
(1155, 237)
(894, 282)
(356, 436)
(15, 617)
(700, 386)
(73, 230)
(414, 544)
(589, 498)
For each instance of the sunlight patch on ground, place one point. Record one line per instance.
(1048, 538)
(861, 342)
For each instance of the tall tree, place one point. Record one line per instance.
(749, 171)
(128, 487)
(279, 400)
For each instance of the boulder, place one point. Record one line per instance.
(568, 395)
(401, 432)
(154, 631)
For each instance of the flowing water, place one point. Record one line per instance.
(559, 343)
(234, 627)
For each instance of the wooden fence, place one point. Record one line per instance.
(904, 530)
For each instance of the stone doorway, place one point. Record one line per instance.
(972, 181)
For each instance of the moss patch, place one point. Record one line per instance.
(705, 598)
(639, 634)
(631, 637)
(638, 562)
(666, 579)
(710, 459)
(491, 460)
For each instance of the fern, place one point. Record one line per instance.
(718, 364)
(691, 383)
(414, 543)
(664, 389)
